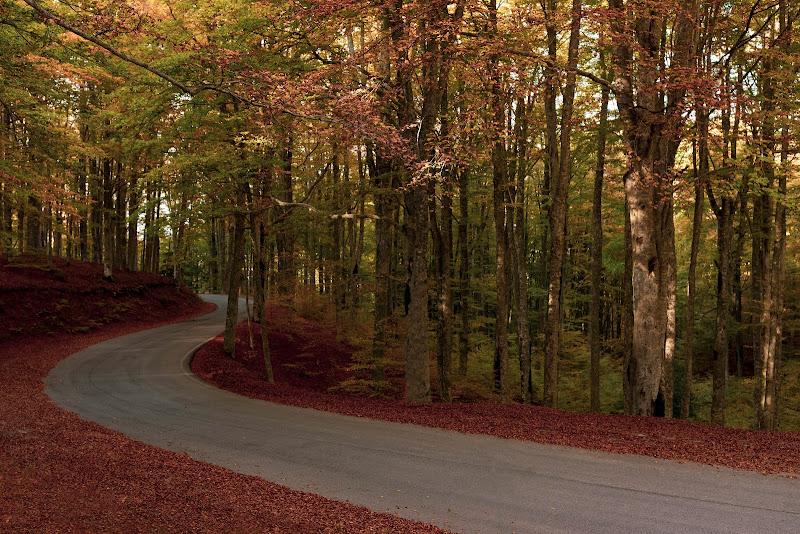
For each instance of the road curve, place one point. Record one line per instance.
(141, 385)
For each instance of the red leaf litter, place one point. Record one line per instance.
(59, 473)
(309, 362)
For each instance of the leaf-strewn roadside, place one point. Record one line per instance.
(309, 361)
(59, 473)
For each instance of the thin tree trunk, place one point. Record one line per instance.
(259, 305)
(213, 257)
(557, 214)
(119, 217)
(520, 258)
(724, 213)
(597, 249)
(34, 228)
(688, 359)
(287, 275)
(380, 169)
(133, 215)
(96, 217)
(108, 220)
(669, 272)
(499, 182)
(764, 241)
(336, 231)
(627, 316)
(235, 281)
(443, 245)
(464, 263)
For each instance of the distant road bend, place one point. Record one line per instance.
(140, 385)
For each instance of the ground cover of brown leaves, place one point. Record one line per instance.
(61, 474)
(309, 362)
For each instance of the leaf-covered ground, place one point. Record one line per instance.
(309, 363)
(59, 473)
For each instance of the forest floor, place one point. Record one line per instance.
(313, 369)
(59, 473)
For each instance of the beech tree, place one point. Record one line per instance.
(318, 150)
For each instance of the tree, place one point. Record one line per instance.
(559, 147)
(649, 119)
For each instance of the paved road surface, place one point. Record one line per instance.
(140, 385)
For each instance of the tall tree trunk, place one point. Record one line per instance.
(119, 217)
(688, 359)
(133, 223)
(181, 241)
(213, 257)
(259, 306)
(96, 217)
(597, 249)
(763, 246)
(380, 171)
(108, 219)
(223, 246)
(627, 316)
(520, 257)
(463, 277)
(284, 238)
(34, 240)
(443, 251)
(499, 183)
(559, 188)
(418, 379)
(769, 241)
(724, 213)
(235, 280)
(651, 142)
(337, 258)
(416, 196)
(6, 219)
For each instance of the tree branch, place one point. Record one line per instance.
(105, 46)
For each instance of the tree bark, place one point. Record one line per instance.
(235, 280)
(133, 216)
(651, 140)
(520, 256)
(259, 304)
(380, 171)
(597, 250)
(688, 359)
(284, 238)
(96, 217)
(499, 183)
(418, 378)
(463, 277)
(34, 228)
(108, 220)
(119, 217)
(763, 244)
(559, 188)
(627, 316)
(442, 228)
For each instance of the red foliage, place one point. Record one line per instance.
(59, 473)
(46, 297)
(307, 361)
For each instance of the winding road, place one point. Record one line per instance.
(141, 385)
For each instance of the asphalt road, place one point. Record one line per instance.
(140, 385)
